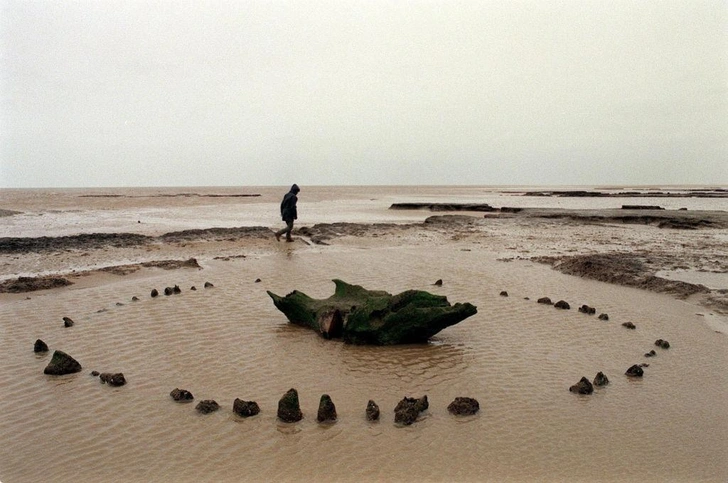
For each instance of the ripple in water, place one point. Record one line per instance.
(517, 357)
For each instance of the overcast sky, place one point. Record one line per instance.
(174, 93)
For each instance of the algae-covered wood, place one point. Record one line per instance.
(361, 316)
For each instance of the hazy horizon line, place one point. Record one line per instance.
(606, 186)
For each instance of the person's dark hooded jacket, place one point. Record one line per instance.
(288, 205)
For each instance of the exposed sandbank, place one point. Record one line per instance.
(45, 282)
(687, 193)
(585, 243)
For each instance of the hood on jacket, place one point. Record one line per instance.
(295, 189)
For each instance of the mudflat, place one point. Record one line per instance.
(225, 340)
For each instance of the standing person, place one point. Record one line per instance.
(288, 212)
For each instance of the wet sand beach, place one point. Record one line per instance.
(516, 356)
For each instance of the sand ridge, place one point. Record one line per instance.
(626, 247)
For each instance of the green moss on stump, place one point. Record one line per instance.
(361, 316)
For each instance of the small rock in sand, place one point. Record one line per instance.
(168, 290)
(408, 409)
(585, 309)
(135, 299)
(545, 300)
(289, 409)
(155, 292)
(68, 322)
(112, 379)
(652, 353)
(245, 408)
(40, 346)
(372, 411)
(601, 379)
(438, 283)
(504, 294)
(635, 371)
(582, 387)
(663, 344)
(562, 304)
(257, 280)
(629, 325)
(207, 406)
(61, 363)
(176, 289)
(193, 288)
(463, 406)
(326, 410)
(603, 317)
(181, 395)
(208, 285)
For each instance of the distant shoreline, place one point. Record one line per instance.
(182, 195)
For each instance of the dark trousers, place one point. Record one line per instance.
(287, 230)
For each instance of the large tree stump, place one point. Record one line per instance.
(361, 316)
